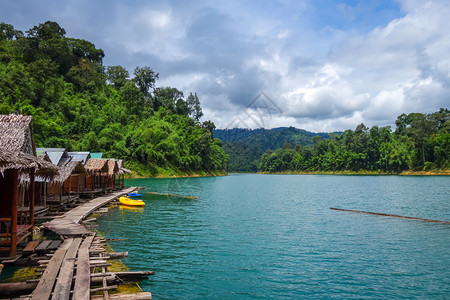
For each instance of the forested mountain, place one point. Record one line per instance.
(419, 142)
(79, 104)
(245, 146)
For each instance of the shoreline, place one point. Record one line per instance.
(186, 175)
(374, 173)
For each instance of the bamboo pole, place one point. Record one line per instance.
(390, 215)
(172, 195)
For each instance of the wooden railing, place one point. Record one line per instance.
(5, 234)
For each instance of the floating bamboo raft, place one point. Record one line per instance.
(171, 195)
(390, 215)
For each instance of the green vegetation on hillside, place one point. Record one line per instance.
(245, 146)
(420, 142)
(79, 104)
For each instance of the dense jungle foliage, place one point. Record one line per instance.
(80, 105)
(246, 146)
(419, 142)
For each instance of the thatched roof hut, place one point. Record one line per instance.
(17, 149)
(113, 168)
(68, 169)
(95, 166)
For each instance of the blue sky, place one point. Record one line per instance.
(326, 65)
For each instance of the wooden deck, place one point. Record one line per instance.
(69, 224)
(69, 272)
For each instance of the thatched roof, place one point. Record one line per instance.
(17, 148)
(69, 168)
(16, 133)
(16, 160)
(113, 168)
(94, 165)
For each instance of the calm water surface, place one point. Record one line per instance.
(274, 236)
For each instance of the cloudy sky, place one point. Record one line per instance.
(320, 65)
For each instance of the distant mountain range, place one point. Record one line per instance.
(245, 146)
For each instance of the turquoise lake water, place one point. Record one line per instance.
(255, 236)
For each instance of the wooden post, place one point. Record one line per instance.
(33, 192)
(70, 184)
(15, 201)
(45, 193)
(78, 186)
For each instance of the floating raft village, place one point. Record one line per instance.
(60, 189)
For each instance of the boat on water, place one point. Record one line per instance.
(134, 195)
(131, 202)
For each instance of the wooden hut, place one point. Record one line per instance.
(110, 177)
(66, 186)
(97, 168)
(18, 167)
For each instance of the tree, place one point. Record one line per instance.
(117, 76)
(145, 79)
(132, 96)
(7, 32)
(169, 98)
(194, 107)
(46, 31)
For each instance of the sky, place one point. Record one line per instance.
(319, 65)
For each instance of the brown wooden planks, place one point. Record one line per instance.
(69, 224)
(43, 246)
(64, 282)
(81, 289)
(31, 246)
(54, 245)
(47, 281)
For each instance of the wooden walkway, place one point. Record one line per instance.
(69, 272)
(69, 225)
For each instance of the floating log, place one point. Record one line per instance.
(390, 215)
(172, 195)
(138, 296)
(14, 289)
(115, 255)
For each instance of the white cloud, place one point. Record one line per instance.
(323, 74)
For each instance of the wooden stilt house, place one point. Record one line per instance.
(97, 168)
(18, 167)
(110, 178)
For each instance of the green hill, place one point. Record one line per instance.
(246, 146)
(79, 104)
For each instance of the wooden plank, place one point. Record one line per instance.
(111, 287)
(82, 285)
(31, 246)
(43, 246)
(54, 245)
(64, 282)
(45, 285)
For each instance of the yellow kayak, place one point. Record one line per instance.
(131, 202)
